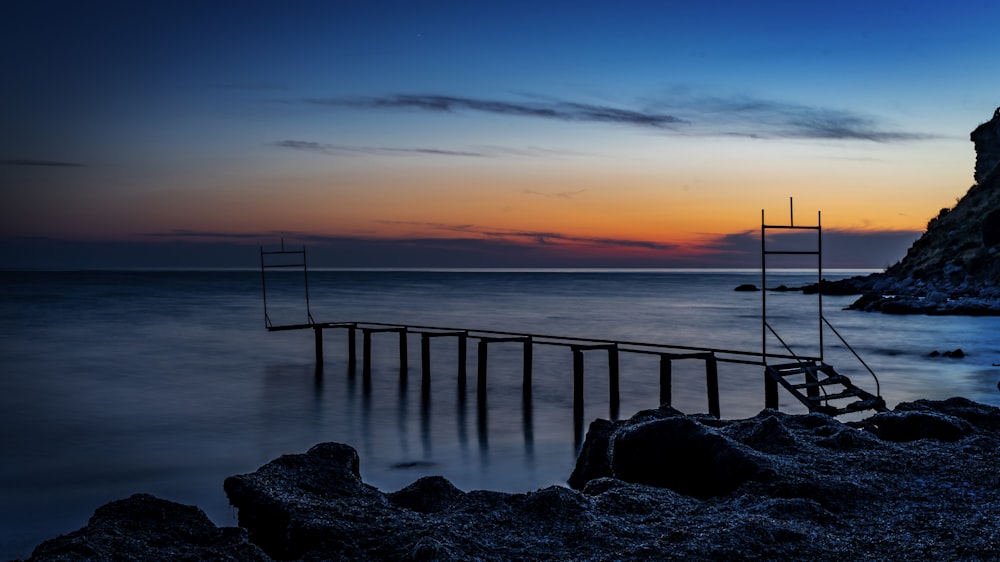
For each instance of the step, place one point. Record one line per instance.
(873, 403)
(850, 392)
(786, 369)
(837, 379)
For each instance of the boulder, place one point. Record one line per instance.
(910, 425)
(808, 487)
(429, 494)
(593, 461)
(685, 456)
(143, 527)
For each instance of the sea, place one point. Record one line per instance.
(166, 382)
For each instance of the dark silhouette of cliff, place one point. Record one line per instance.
(953, 268)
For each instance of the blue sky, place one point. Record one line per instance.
(465, 133)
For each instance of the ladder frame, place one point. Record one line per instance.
(264, 266)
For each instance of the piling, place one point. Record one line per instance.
(712, 376)
(666, 373)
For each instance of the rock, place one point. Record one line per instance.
(816, 489)
(991, 229)
(429, 494)
(746, 287)
(143, 527)
(957, 354)
(910, 425)
(987, 140)
(953, 268)
(593, 461)
(979, 415)
(683, 455)
(271, 502)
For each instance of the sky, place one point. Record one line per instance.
(475, 134)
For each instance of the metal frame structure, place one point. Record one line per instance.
(818, 375)
(764, 252)
(299, 260)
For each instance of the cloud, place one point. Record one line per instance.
(843, 248)
(323, 148)
(760, 118)
(443, 245)
(558, 110)
(42, 163)
(542, 238)
(735, 115)
(558, 194)
(207, 235)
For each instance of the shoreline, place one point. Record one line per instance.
(916, 483)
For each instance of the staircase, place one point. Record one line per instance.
(825, 390)
(809, 379)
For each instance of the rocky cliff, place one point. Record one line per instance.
(953, 268)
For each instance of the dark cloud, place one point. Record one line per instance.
(42, 163)
(537, 237)
(452, 245)
(323, 148)
(697, 116)
(207, 235)
(758, 118)
(842, 248)
(559, 110)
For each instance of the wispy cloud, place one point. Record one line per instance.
(736, 115)
(762, 118)
(558, 110)
(185, 234)
(539, 237)
(473, 152)
(557, 194)
(469, 245)
(42, 163)
(324, 148)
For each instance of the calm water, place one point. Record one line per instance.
(166, 382)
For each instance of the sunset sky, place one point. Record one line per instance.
(450, 134)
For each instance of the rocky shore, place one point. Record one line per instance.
(917, 483)
(954, 267)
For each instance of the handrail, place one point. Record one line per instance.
(878, 388)
(565, 341)
(789, 349)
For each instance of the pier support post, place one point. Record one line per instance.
(666, 373)
(770, 392)
(366, 353)
(425, 360)
(526, 377)
(812, 391)
(461, 361)
(403, 358)
(352, 355)
(613, 395)
(712, 376)
(481, 380)
(578, 380)
(318, 332)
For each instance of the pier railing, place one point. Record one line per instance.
(579, 347)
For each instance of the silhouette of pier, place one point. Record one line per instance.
(579, 347)
(818, 378)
